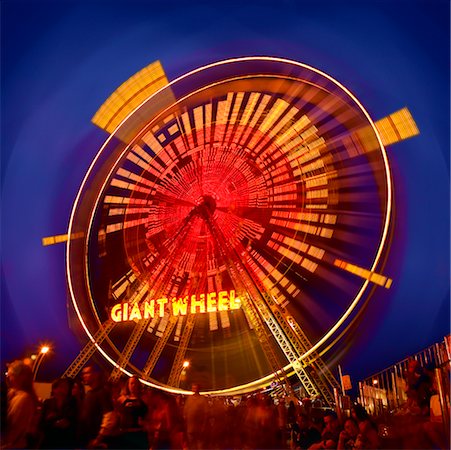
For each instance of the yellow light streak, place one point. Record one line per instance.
(139, 162)
(199, 124)
(225, 320)
(296, 143)
(292, 256)
(279, 107)
(283, 122)
(309, 265)
(261, 107)
(162, 326)
(132, 176)
(221, 117)
(369, 275)
(186, 123)
(122, 284)
(298, 245)
(213, 321)
(318, 193)
(129, 224)
(178, 330)
(208, 119)
(397, 126)
(152, 142)
(249, 108)
(122, 211)
(116, 199)
(236, 108)
(316, 252)
(129, 186)
(51, 240)
(173, 129)
(320, 180)
(129, 95)
(293, 131)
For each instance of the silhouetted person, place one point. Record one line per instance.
(96, 415)
(160, 421)
(348, 436)
(196, 415)
(330, 433)
(58, 416)
(304, 433)
(21, 420)
(413, 377)
(368, 435)
(132, 412)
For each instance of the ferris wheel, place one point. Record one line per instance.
(236, 220)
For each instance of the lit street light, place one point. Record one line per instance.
(38, 360)
(182, 378)
(45, 349)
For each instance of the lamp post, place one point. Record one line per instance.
(37, 362)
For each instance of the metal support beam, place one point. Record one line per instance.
(177, 366)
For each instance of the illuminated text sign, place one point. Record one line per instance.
(204, 303)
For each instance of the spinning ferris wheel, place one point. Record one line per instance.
(237, 218)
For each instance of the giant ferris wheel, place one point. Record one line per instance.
(236, 218)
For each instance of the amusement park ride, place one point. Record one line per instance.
(237, 217)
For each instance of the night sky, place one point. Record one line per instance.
(62, 59)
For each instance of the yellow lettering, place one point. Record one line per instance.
(149, 309)
(161, 302)
(180, 306)
(197, 303)
(234, 302)
(211, 302)
(223, 301)
(135, 313)
(116, 313)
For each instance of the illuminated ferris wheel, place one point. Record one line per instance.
(236, 218)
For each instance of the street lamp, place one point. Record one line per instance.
(37, 362)
(182, 377)
(45, 349)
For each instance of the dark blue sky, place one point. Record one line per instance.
(61, 60)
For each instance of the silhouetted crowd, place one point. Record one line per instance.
(91, 413)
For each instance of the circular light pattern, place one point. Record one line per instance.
(258, 175)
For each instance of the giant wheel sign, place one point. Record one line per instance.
(235, 219)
